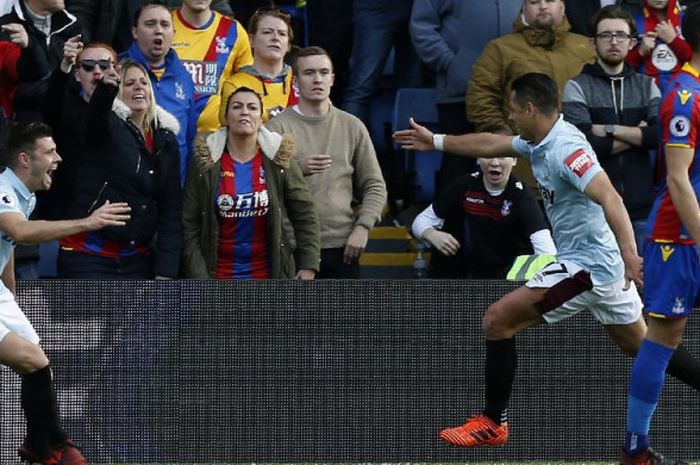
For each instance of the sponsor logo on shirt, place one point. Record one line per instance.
(205, 76)
(225, 202)
(547, 195)
(666, 251)
(684, 95)
(679, 126)
(579, 162)
(244, 205)
(663, 58)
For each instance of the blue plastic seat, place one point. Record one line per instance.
(419, 103)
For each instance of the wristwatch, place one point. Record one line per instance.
(609, 130)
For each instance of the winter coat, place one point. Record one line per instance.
(174, 91)
(117, 166)
(289, 198)
(558, 53)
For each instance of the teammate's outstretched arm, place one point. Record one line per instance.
(601, 191)
(482, 144)
(24, 231)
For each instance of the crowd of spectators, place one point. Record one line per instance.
(218, 99)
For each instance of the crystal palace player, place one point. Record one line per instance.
(31, 159)
(671, 262)
(596, 251)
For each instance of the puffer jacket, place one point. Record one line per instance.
(289, 198)
(556, 52)
(117, 166)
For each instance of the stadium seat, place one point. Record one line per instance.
(48, 252)
(420, 104)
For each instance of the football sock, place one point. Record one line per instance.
(38, 401)
(646, 382)
(35, 400)
(684, 367)
(501, 362)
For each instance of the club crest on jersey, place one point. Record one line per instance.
(684, 95)
(679, 126)
(225, 202)
(180, 92)
(7, 199)
(506, 207)
(221, 47)
(579, 162)
(678, 306)
(261, 175)
(666, 251)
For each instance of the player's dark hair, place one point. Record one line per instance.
(244, 89)
(539, 89)
(146, 5)
(22, 138)
(690, 26)
(309, 52)
(611, 12)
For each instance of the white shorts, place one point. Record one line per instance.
(12, 319)
(570, 291)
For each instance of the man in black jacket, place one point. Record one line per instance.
(49, 24)
(615, 107)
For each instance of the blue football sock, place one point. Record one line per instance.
(646, 382)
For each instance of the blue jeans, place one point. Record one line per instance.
(379, 26)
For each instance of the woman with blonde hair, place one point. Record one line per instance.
(241, 186)
(131, 155)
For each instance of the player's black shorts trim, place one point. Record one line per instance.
(564, 290)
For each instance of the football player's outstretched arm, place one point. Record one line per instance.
(24, 231)
(476, 145)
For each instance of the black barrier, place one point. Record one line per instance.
(332, 371)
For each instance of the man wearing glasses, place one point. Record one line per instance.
(616, 108)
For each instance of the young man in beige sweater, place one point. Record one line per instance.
(338, 160)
